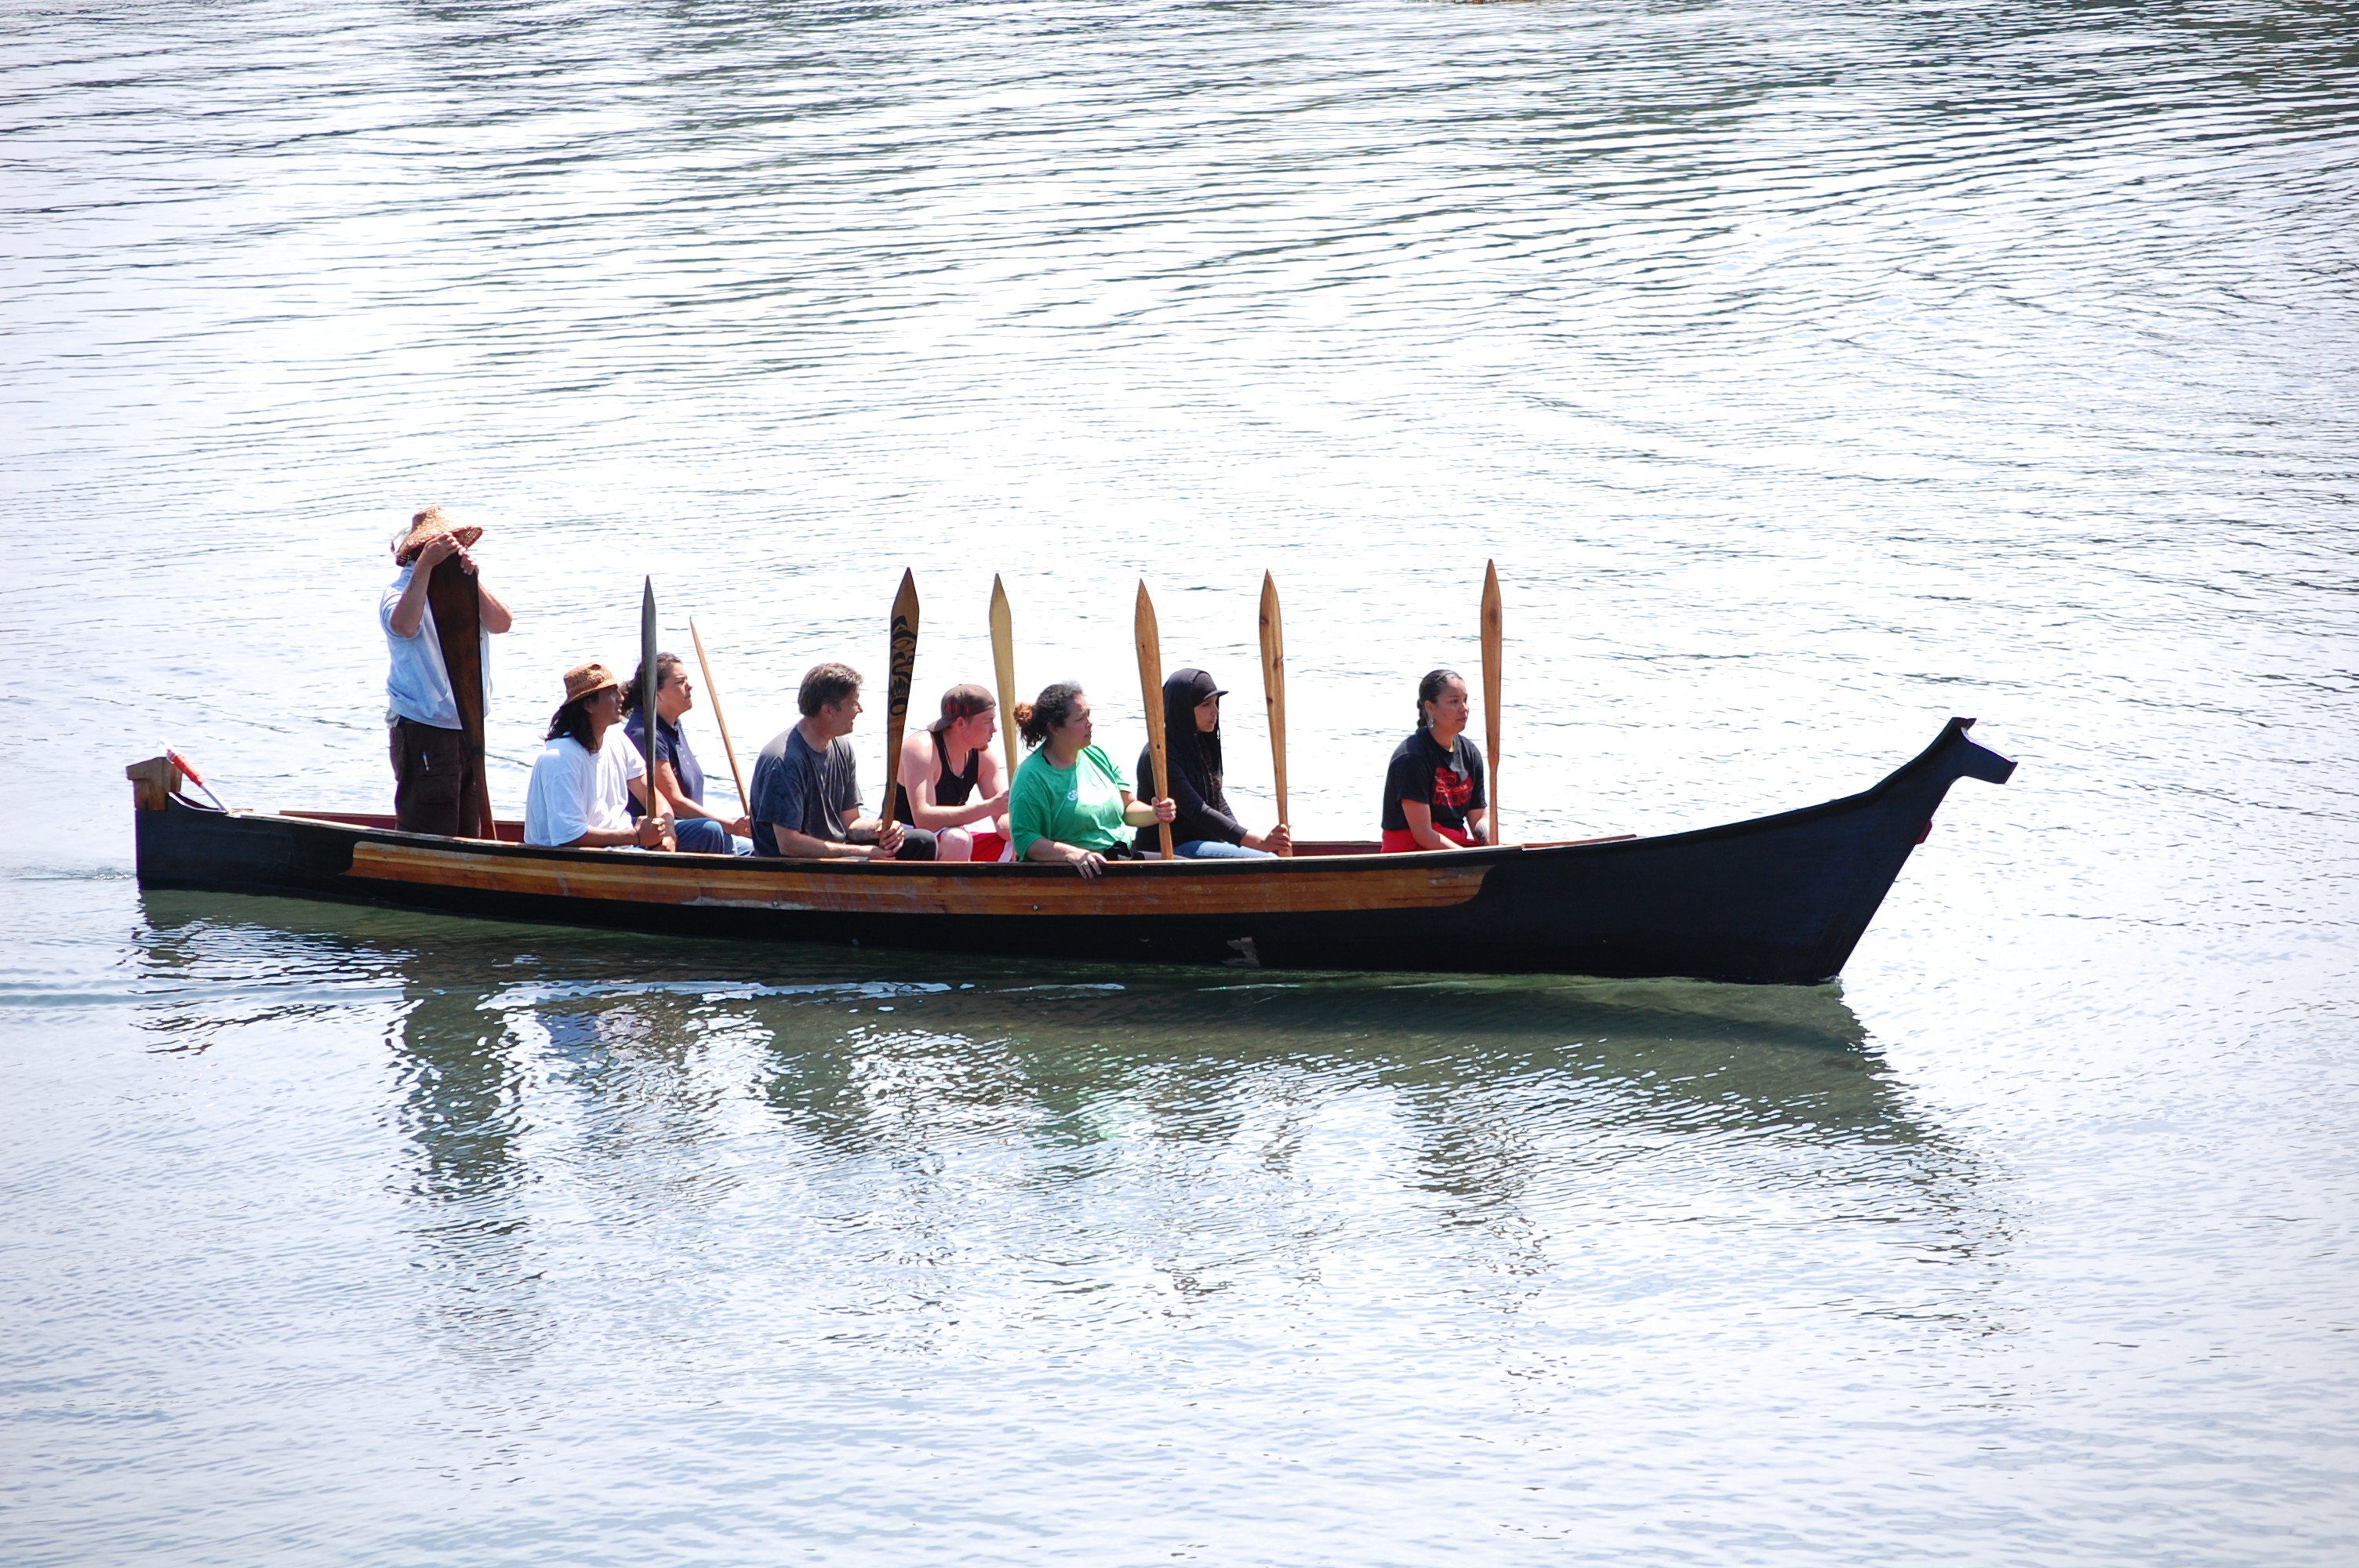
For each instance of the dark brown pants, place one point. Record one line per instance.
(434, 789)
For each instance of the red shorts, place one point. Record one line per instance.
(1399, 840)
(988, 847)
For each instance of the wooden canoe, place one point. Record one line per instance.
(1776, 900)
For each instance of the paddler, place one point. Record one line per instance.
(701, 830)
(950, 780)
(807, 784)
(436, 787)
(1070, 802)
(1434, 796)
(1203, 828)
(582, 788)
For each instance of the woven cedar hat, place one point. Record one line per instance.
(584, 679)
(422, 530)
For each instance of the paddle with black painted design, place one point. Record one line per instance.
(901, 667)
(1150, 686)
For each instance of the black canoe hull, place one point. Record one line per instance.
(1778, 900)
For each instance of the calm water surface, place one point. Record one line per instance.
(1813, 370)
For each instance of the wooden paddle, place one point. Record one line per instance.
(1003, 659)
(712, 695)
(1150, 684)
(1493, 649)
(1273, 686)
(457, 602)
(647, 684)
(901, 667)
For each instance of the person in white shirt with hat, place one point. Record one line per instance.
(580, 791)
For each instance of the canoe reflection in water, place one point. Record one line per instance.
(871, 1136)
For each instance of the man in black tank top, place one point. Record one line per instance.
(952, 781)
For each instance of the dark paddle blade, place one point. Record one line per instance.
(648, 682)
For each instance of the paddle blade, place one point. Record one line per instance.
(1002, 661)
(1273, 686)
(1150, 687)
(902, 666)
(1494, 652)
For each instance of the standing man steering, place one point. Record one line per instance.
(437, 788)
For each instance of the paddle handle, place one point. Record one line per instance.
(1002, 660)
(712, 695)
(1150, 686)
(1494, 652)
(1273, 686)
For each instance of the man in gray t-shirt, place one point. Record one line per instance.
(806, 787)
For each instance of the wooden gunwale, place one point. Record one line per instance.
(1304, 884)
(915, 888)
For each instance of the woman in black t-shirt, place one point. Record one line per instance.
(1434, 796)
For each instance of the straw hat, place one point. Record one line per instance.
(424, 527)
(584, 679)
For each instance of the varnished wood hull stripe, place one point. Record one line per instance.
(1292, 890)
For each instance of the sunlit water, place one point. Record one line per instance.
(1813, 372)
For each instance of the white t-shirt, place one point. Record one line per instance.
(574, 792)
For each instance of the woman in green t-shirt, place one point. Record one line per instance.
(1070, 802)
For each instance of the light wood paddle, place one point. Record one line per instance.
(1493, 649)
(1003, 659)
(1273, 686)
(712, 695)
(902, 666)
(1150, 686)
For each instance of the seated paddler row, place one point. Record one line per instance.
(1069, 802)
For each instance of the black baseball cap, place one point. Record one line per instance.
(1197, 686)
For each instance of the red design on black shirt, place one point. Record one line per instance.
(1450, 783)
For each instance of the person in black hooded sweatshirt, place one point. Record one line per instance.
(1205, 828)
